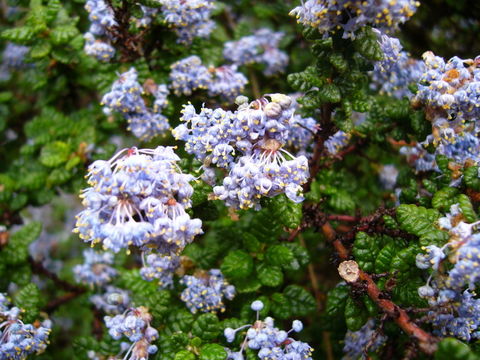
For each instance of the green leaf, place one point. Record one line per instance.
(179, 320)
(279, 255)
(467, 208)
(16, 252)
(63, 34)
(286, 211)
(22, 34)
(453, 349)
(248, 285)
(270, 275)
(184, 355)
(330, 93)
(355, 315)
(471, 178)
(365, 250)
(213, 352)
(384, 258)
(237, 265)
(366, 43)
(444, 198)
(341, 201)
(420, 221)
(338, 62)
(280, 306)
(301, 301)
(336, 301)
(55, 154)
(206, 327)
(40, 50)
(404, 260)
(28, 299)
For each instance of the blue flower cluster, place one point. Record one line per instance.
(135, 325)
(17, 339)
(337, 142)
(103, 21)
(328, 16)
(302, 132)
(112, 301)
(250, 144)
(358, 343)
(95, 270)
(138, 198)
(449, 289)
(126, 98)
(160, 268)
(189, 74)
(397, 71)
(100, 50)
(450, 91)
(270, 342)
(147, 16)
(418, 157)
(189, 19)
(259, 48)
(205, 292)
(388, 176)
(13, 58)
(226, 82)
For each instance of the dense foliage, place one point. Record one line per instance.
(212, 180)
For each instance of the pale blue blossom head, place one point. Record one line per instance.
(13, 56)
(262, 47)
(188, 75)
(113, 301)
(148, 14)
(226, 82)
(189, 19)
(431, 258)
(134, 325)
(358, 342)
(137, 198)
(18, 339)
(269, 341)
(160, 268)
(250, 143)
(102, 51)
(96, 269)
(337, 142)
(126, 98)
(388, 176)
(101, 15)
(328, 16)
(205, 292)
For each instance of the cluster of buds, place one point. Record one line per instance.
(135, 325)
(268, 340)
(17, 339)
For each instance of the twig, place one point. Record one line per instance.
(328, 345)
(254, 82)
(55, 303)
(65, 285)
(427, 342)
(319, 297)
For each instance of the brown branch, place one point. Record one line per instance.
(55, 303)
(65, 285)
(254, 82)
(319, 297)
(427, 342)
